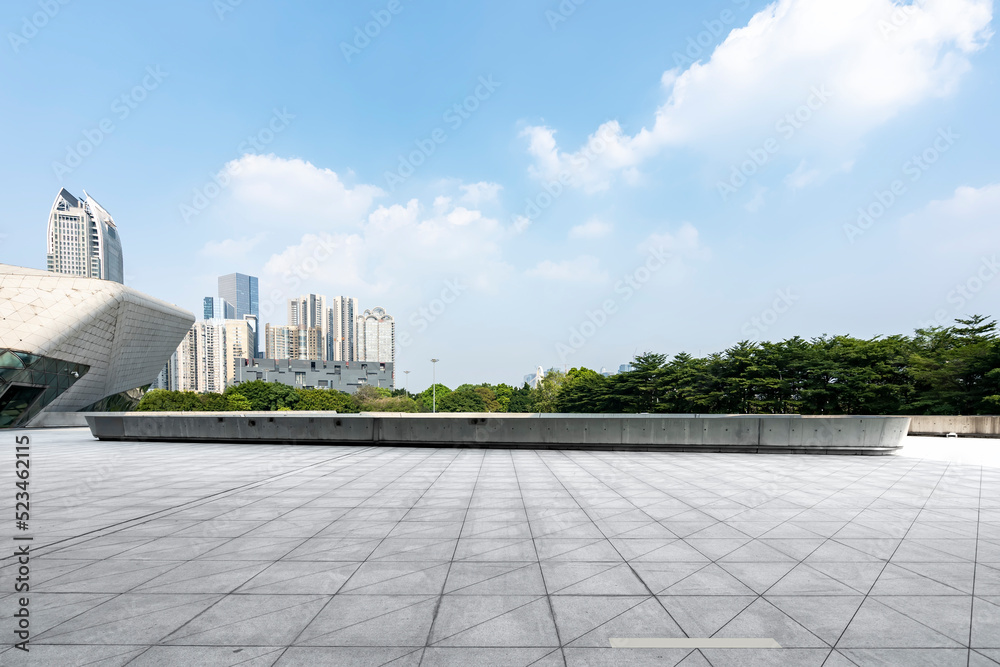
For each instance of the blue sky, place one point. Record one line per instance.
(618, 177)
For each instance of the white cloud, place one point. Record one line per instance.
(592, 229)
(402, 252)
(280, 193)
(685, 242)
(876, 58)
(965, 225)
(477, 194)
(583, 269)
(232, 248)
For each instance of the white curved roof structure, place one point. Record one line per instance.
(121, 336)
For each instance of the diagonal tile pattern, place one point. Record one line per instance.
(156, 554)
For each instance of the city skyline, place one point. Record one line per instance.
(733, 170)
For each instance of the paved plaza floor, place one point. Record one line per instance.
(259, 555)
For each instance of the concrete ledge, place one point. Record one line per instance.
(964, 426)
(710, 433)
(46, 419)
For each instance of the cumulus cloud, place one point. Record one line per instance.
(592, 229)
(964, 225)
(275, 192)
(584, 269)
(858, 63)
(402, 251)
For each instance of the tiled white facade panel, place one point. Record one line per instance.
(123, 335)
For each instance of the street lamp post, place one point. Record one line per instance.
(406, 382)
(434, 395)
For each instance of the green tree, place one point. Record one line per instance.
(546, 394)
(267, 396)
(425, 398)
(464, 399)
(237, 402)
(640, 389)
(161, 400)
(325, 400)
(522, 400)
(392, 404)
(503, 394)
(583, 391)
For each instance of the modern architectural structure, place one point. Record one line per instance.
(167, 377)
(207, 358)
(343, 376)
(254, 325)
(309, 312)
(242, 292)
(70, 343)
(217, 308)
(293, 342)
(341, 329)
(535, 378)
(82, 239)
(376, 336)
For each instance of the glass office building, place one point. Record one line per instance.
(240, 291)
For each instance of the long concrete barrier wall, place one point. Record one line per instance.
(973, 427)
(738, 433)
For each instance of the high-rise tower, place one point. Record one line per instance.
(376, 336)
(341, 327)
(241, 291)
(83, 239)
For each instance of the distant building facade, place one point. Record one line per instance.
(82, 239)
(217, 308)
(308, 374)
(341, 328)
(209, 356)
(309, 312)
(167, 378)
(243, 293)
(535, 378)
(293, 342)
(376, 332)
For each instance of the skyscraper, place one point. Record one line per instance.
(241, 291)
(208, 358)
(309, 312)
(376, 336)
(217, 308)
(83, 239)
(341, 328)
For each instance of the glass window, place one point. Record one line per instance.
(15, 401)
(8, 360)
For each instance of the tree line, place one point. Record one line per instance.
(938, 370)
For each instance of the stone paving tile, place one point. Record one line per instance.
(421, 557)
